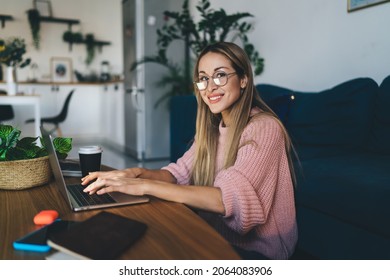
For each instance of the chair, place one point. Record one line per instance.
(56, 120)
(6, 113)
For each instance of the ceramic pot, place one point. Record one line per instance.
(12, 86)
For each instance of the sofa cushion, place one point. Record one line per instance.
(278, 99)
(331, 122)
(354, 189)
(380, 136)
(182, 122)
(327, 238)
(334, 121)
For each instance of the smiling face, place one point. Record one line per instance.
(219, 98)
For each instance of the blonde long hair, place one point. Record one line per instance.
(207, 123)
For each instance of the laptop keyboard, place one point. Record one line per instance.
(83, 198)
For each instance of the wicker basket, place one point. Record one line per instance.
(23, 174)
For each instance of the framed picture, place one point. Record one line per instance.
(43, 7)
(354, 5)
(61, 69)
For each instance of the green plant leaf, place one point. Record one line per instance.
(9, 134)
(61, 155)
(16, 154)
(8, 138)
(62, 145)
(27, 142)
(27, 148)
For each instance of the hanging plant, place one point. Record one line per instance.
(90, 45)
(77, 38)
(35, 26)
(71, 37)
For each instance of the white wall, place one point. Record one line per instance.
(306, 44)
(103, 18)
(316, 44)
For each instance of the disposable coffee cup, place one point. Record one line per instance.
(90, 159)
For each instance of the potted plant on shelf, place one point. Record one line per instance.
(24, 163)
(213, 26)
(72, 38)
(77, 38)
(11, 55)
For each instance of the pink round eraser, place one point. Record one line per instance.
(45, 217)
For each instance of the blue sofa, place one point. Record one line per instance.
(342, 139)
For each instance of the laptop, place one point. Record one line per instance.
(70, 167)
(74, 195)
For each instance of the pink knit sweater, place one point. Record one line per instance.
(257, 191)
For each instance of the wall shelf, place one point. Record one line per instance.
(100, 44)
(97, 43)
(4, 18)
(69, 22)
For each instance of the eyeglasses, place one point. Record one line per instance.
(220, 78)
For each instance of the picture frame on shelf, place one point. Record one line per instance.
(61, 69)
(354, 5)
(44, 8)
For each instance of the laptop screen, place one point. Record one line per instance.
(54, 163)
(117, 199)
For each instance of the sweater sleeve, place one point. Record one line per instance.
(248, 187)
(181, 170)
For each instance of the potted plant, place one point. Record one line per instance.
(11, 54)
(77, 38)
(24, 163)
(12, 51)
(213, 26)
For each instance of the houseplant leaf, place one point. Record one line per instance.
(27, 148)
(8, 138)
(63, 146)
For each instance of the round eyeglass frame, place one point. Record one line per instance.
(204, 84)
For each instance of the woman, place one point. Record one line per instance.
(237, 173)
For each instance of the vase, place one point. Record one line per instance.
(12, 85)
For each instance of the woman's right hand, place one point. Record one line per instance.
(124, 173)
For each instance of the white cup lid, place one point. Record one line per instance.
(90, 150)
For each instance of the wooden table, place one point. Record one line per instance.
(174, 231)
(22, 99)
